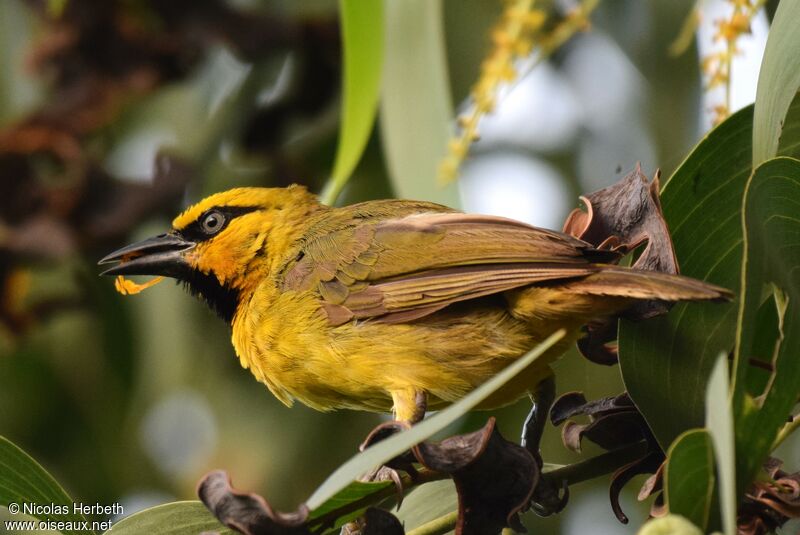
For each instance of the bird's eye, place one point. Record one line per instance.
(213, 222)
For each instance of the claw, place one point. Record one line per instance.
(548, 499)
(385, 473)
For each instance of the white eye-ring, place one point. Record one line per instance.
(213, 222)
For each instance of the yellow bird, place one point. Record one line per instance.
(389, 305)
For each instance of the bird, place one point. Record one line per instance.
(390, 305)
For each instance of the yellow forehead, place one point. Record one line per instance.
(261, 197)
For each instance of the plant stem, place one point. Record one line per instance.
(437, 526)
(597, 466)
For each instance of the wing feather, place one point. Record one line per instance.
(376, 264)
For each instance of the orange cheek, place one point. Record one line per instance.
(228, 254)
(221, 261)
(223, 256)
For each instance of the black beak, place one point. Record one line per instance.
(160, 255)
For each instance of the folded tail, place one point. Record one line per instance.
(619, 281)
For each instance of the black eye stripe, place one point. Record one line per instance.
(195, 231)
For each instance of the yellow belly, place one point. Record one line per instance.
(288, 345)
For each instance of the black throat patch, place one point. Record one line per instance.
(221, 299)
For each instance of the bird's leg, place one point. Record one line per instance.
(547, 497)
(532, 430)
(410, 405)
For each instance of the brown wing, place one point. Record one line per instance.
(403, 268)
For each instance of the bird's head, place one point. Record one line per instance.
(224, 245)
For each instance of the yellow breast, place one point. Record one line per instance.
(286, 342)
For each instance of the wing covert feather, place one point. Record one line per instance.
(401, 268)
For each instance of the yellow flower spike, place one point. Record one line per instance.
(508, 74)
(717, 66)
(741, 23)
(128, 287)
(523, 48)
(720, 113)
(534, 19)
(501, 39)
(448, 168)
(516, 35)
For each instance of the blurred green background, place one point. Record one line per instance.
(114, 115)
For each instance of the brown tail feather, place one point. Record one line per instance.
(620, 281)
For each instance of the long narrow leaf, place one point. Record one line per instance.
(719, 421)
(362, 39)
(416, 111)
(778, 81)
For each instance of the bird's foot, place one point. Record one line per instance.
(391, 470)
(549, 497)
(386, 473)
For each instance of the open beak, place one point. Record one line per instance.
(159, 255)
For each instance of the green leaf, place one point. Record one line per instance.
(362, 41)
(767, 331)
(416, 111)
(689, 477)
(772, 249)
(719, 421)
(670, 525)
(387, 449)
(778, 81)
(428, 503)
(345, 499)
(24, 481)
(176, 518)
(671, 357)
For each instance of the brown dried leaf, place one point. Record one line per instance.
(647, 464)
(494, 478)
(567, 405)
(379, 522)
(623, 216)
(652, 484)
(246, 512)
(614, 422)
(595, 345)
(575, 404)
(770, 504)
(609, 431)
(383, 431)
(571, 435)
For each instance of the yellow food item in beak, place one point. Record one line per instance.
(128, 287)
